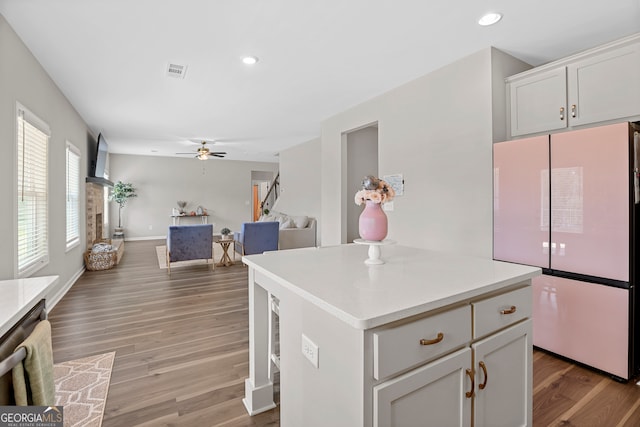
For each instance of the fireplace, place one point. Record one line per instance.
(95, 212)
(99, 226)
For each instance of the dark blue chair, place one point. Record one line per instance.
(188, 242)
(256, 238)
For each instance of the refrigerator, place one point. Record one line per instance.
(568, 203)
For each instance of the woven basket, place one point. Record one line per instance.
(100, 260)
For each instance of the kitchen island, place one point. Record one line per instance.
(413, 341)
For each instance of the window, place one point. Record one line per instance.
(32, 228)
(73, 195)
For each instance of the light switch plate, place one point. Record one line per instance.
(310, 350)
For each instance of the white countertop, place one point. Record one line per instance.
(19, 296)
(411, 281)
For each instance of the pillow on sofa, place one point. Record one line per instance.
(286, 223)
(300, 221)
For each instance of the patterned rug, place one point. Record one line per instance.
(81, 387)
(161, 252)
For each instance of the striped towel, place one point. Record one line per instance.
(33, 377)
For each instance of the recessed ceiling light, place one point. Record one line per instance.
(490, 19)
(250, 60)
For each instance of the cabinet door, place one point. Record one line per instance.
(538, 102)
(586, 322)
(605, 86)
(432, 395)
(590, 176)
(504, 378)
(521, 201)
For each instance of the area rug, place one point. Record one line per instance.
(81, 388)
(161, 252)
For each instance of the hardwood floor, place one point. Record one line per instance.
(566, 394)
(181, 343)
(182, 350)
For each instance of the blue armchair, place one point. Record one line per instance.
(187, 242)
(256, 238)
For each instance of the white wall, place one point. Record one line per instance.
(23, 80)
(300, 181)
(223, 187)
(437, 131)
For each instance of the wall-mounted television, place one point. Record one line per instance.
(98, 161)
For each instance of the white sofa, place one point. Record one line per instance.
(295, 231)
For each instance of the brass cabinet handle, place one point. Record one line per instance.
(484, 371)
(436, 340)
(509, 310)
(561, 113)
(471, 393)
(573, 110)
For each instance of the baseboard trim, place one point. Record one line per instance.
(55, 299)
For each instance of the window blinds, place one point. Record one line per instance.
(73, 195)
(32, 230)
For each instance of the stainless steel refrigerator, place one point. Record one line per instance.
(568, 203)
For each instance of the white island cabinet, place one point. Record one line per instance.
(427, 338)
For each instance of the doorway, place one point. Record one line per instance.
(260, 183)
(361, 160)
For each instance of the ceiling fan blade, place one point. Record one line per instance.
(218, 155)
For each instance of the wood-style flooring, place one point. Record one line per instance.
(182, 350)
(181, 343)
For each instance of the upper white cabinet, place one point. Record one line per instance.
(539, 102)
(594, 86)
(605, 86)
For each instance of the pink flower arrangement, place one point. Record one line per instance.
(374, 190)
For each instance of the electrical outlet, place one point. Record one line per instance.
(310, 350)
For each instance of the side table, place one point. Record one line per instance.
(225, 260)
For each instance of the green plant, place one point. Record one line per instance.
(120, 194)
(225, 231)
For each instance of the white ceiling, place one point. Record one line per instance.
(316, 59)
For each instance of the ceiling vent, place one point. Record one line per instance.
(176, 70)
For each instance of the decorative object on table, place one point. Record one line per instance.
(225, 233)
(374, 250)
(265, 211)
(199, 210)
(373, 221)
(120, 194)
(182, 205)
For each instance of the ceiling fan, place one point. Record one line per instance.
(203, 153)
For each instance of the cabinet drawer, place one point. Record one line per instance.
(495, 313)
(400, 347)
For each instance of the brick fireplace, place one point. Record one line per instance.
(95, 212)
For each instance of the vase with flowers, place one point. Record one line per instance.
(372, 224)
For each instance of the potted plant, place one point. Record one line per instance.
(225, 233)
(120, 194)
